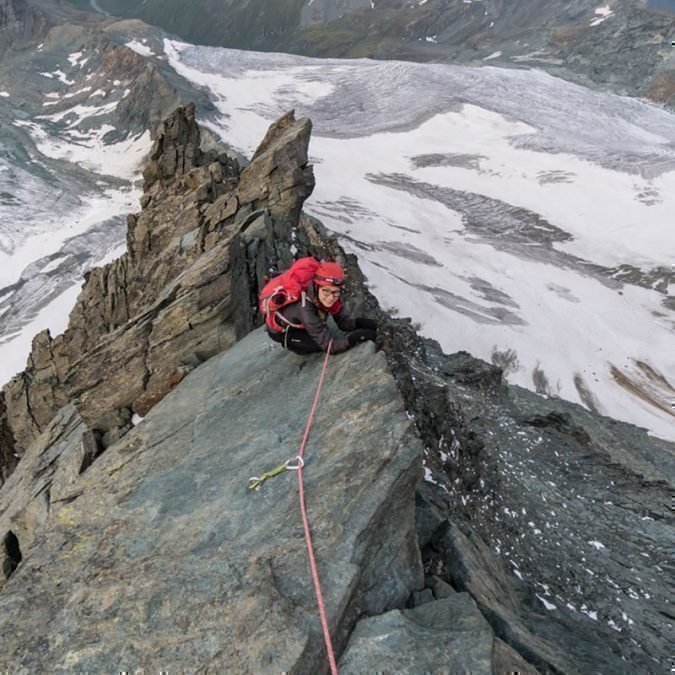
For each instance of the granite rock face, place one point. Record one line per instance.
(158, 557)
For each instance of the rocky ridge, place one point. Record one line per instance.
(166, 304)
(543, 530)
(72, 90)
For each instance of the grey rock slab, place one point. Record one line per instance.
(167, 561)
(445, 636)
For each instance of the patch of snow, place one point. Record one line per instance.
(597, 544)
(61, 76)
(74, 58)
(140, 48)
(80, 113)
(429, 477)
(548, 605)
(592, 614)
(494, 55)
(75, 93)
(603, 13)
(122, 159)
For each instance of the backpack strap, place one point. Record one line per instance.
(279, 318)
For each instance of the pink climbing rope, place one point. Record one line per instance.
(305, 524)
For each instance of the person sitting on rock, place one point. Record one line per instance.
(306, 329)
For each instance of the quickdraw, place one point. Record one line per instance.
(254, 482)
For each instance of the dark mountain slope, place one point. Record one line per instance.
(625, 48)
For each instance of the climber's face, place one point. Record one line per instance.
(329, 295)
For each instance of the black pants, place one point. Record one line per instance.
(296, 340)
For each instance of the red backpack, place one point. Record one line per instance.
(285, 289)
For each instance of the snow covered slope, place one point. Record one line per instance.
(66, 185)
(519, 217)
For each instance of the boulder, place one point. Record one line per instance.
(444, 636)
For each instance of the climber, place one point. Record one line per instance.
(301, 326)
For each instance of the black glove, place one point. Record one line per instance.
(361, 335)
(362, 322)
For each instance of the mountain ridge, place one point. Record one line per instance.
(541, 527)
(505, 473)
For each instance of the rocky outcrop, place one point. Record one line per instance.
(8, 458)
(181, 293)
(157, 554)
(34, 396)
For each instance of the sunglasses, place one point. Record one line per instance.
(327, 292)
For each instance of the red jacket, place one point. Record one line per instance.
(308, 314)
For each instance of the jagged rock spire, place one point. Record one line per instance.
(176, 150)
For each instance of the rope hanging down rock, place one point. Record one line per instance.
(305, 523)
(255, 482)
